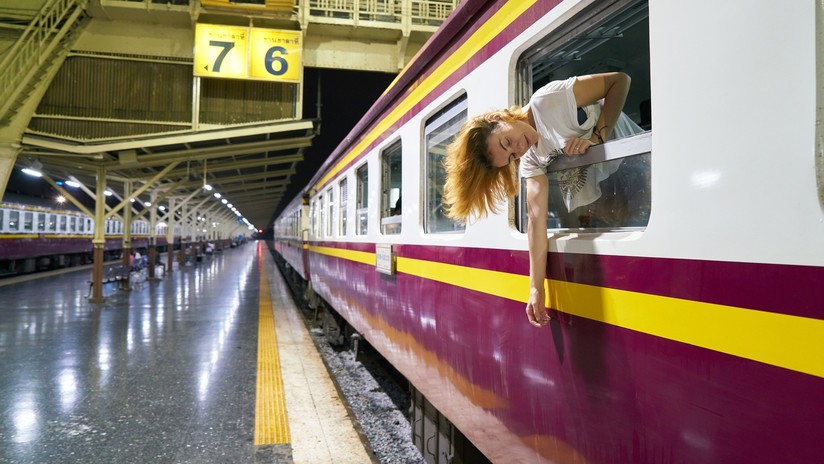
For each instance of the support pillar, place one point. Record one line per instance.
(152, 235)
(127, 228)
(99, 240)
(170, 236)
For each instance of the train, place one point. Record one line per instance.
(687, 302)
(37, 236)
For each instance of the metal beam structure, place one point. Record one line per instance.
(162, 132)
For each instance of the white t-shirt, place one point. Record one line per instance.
(556, 120)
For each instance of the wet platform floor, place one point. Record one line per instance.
(165, 373)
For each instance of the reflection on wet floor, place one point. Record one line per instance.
(162, 373)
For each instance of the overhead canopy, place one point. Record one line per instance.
(250, 167)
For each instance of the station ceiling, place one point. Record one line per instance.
(115, 95)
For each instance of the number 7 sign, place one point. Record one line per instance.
(247, 53)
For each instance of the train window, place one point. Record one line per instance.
(362, 200)
(73, 224)
(41, 222)
(321, 216)
(52, 223)
(2, 218)
(313, 218)
(28, 221)
(14, 220)
(391, 189)
(343, 197)
(330, 207)
(62, 223)
(439, 132)
(609, 187)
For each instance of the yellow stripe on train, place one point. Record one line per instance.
(777, 339)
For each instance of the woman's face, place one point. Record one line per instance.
(509, 141)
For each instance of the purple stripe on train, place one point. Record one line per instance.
(611, 394)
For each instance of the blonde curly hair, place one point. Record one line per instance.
(473, 186)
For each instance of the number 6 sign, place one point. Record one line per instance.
(247, 53)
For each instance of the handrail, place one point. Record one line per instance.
(421, 12)
(27, 50)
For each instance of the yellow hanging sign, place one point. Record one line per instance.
(248, 53)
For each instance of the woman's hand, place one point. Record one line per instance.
(577, 146)
(535, 308)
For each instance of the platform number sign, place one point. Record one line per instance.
(247, 53)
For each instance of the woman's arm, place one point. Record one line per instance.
(537, 191)
(613, 88)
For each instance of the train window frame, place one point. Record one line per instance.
(330, 210)
(450, 117)
(321, 215)
(343, 200)
(61, 223)
(391, 188)
(14, 221)
(564, 53)
(28, 221)
(362, 199)
(313, 219)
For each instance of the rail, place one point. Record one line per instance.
(389, 13)
(419, 12)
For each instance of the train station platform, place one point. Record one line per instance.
(211, 364)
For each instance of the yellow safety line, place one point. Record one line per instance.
(271, 424)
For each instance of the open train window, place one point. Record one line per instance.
(343, 196)
(439, 131)
(362, 200)
(602, 38)
(391, 189)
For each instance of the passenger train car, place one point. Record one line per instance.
(687, 302)
(34, 237)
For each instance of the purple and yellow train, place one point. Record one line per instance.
(688, 300)
(36, 238)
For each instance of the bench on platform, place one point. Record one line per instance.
(117, 274)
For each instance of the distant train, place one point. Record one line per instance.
(688, 300)
(36, 238)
